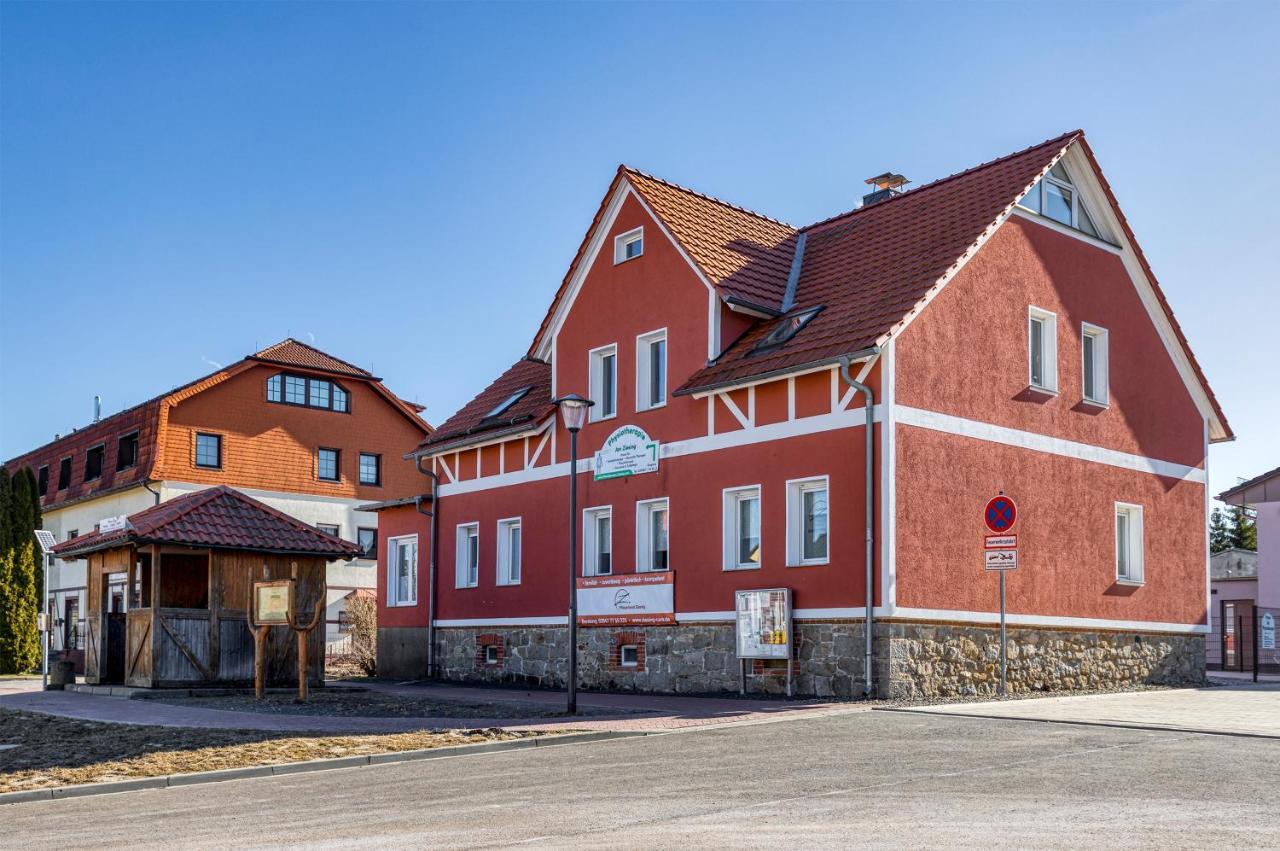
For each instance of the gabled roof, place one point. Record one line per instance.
(290, 352)
(1264, 488)
(872, 266)
(473, 424)
(217, 518)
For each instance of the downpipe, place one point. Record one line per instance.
(431, 563)
(870, 506)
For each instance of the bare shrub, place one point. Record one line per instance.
(362, 614)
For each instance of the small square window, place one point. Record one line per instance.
(208, 450)
(370, 469)
(491, 654)
(327, 465)
(628, 246)
(629, 656)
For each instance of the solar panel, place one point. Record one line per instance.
(46, 540)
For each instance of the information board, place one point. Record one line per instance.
(764, 623)
(272, 601)
(630, 598)
(629, 451)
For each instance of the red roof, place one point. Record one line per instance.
(473, 420)
(290, 352)
(218, 518)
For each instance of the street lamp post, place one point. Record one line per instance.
(574, 410)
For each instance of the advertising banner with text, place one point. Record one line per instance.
(631, 599)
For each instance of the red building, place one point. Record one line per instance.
(1012, 338)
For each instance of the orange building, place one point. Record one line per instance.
(302, 431)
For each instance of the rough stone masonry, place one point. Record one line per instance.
(912, 660)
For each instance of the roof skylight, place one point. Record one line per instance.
(506, 403)
(786, 328)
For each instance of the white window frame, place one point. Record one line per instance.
(796, 489)
(596, 381)
(729, 524)
(644, 366)
(1050, 355)
(1076, 202)
(1136, 538)
(491, 654)
(644, 540)
(635, 656)
(1101, 364)
(466, 575)
(590, 556)
(505, 528)
(622, 240)
(393, 559)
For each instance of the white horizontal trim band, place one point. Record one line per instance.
(854, 417)
(1043, 443)
(552, 621)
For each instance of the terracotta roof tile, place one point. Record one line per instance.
(290, 352)
(220, 518)
(472, 423)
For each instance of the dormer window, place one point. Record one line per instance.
(1055, 197)
(786, 328)
(628, 246)
(286, 389)
(505, 405)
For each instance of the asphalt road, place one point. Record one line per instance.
(873, 779)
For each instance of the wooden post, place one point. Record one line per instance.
(304, 635)
(214, 660)
(259, 647)
(155, 614)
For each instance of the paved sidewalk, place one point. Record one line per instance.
(19, 685)
(1239, 709)
(630, 712)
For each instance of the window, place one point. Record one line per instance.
(208, 450)
(651, 370)
(93, 462)
(367, 540)
(1055, 197)
(629, 656)
(467, 557)
(628, 246)
(509, 551)
(311, 392)
(604, 382)
(807, 519)
(1042, 349)
(402, 570)
(329, 529)
(64, 474)
(786, 328)
(127, 451)
(1129, 543)
(597, 541)
(505, 405)
(370, 468)
(491, 654)
(652, 535)
(327, 464)
(742, 528)
(1093, 346)
(42, 480)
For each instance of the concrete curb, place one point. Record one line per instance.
(198, 777)
(1119, 725)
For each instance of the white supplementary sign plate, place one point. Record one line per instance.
(1000, 542)
(113, 524)
(1000, 559)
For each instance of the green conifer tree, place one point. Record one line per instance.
(1244, 531)
(1219, 534)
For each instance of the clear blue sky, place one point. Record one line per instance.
(406, 184)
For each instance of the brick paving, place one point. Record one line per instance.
(634, 712)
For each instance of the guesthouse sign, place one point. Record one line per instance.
(628, 452)
(630, 598)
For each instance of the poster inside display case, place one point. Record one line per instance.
(764, 623)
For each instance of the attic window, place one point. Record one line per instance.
(93, 462)
(786, 328)
(628, 246)
(1055, 197)
(505, 405)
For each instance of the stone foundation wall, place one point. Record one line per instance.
(911, 659)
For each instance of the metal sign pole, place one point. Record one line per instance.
(1003, 639)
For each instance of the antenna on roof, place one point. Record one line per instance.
(97, 408)
(887, 185)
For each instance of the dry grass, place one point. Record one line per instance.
(54, 751)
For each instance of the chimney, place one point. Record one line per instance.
(887, 185)
(97, 408)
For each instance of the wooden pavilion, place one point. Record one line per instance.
(189, 566)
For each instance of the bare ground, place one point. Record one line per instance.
(54, 751)
(347, 703)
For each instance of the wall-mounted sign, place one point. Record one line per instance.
(764, 623)
(113, 524)
(272, 601)
(1268, 637)
(1000, 542)
(633, 598)
(627, 452)
(1000, 559)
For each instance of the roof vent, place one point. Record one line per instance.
(887, 185)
